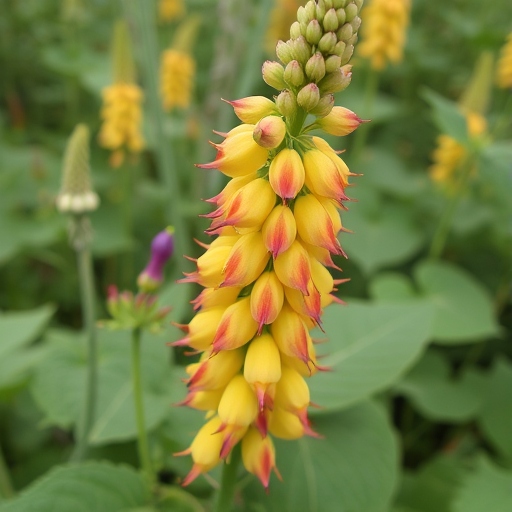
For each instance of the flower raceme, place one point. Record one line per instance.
(276, 225)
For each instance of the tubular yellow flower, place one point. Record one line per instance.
(504, 68)
(277, 221)
(177, 71)
(383, 34)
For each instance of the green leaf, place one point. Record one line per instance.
(392, 287)
(354, 468)
(439, 397)
(487, 489)
(371, 347)
(464, 309)
(91, 487)
(447, 116)
(59, 384)
(176, 499)
(17, 330)
(496, 416)
(384, 234)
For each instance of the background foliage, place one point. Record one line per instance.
(417, 412)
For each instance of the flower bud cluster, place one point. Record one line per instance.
(265, 275)
(314, 61)
(177, 71)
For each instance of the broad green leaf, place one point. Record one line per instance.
(91, 487)
(392, 287)
(384, 234)
(354, 468)
(447, 116)
(17, 330)
(487, 489)
(439, 397)
(384, 107)
(59, 384)
(496, 415)
(433, 487)
(175, 499)
(464, 309)
(370, 347)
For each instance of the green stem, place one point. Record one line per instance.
(370, 93)
(443, 228)
(86, 278)
(504, 120)
(228, 483)
(143, 445)
(142, 19)
(6, 488)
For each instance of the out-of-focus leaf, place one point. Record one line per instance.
(110, 234)
(447, 116)
(496, 416)
(371, 347)
(488, 488)
(98, 487)
(59, 384)
(464, 310)
(440, 397)
(176, 499)
(392, 287)
(353, 469)
(384, 106)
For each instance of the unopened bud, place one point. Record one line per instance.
(332, 63)
(329, 4)
(286, 103)
(313, 32)
(293, 74)
(302, 15)
(284, 52)
(253, 108)
(301, 50)
(340, 122)
(295, 30)
(273, 74)
(336, 81)
(347, 54)
(355, 24)
(270, 132)
(342, 17)
(311, 9)
(308, 97)
(320, 10)
(330, 22)
(324, 106)
(345, 32)
(351, 11)
(327, 43)
(315, 67)
(359, 3)
(339, 49)
(340, 4)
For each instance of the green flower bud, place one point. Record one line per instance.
(355, 24)
(330, 22)
(293, 74)
(342, 17)
(359, 3)
(320, 10)
(328, 4)
(301, 50)
(351, 11)
(332, 63)
(324, 106)
(340, 4)
(336, 81)
(339, 48)
(313, 32)
(347, 54)
(286, 103)
(345, 32)
(284, 52)
(308, 97)
(303, 28)
(315, 67)
(269, 132)
(273, 74)
(295, 30)
(311, 9)
(353, 40)
(327, 43)
(302, 15)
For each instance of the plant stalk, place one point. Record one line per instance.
(6, 487)
(228, 483)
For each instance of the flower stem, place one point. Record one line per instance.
(143, 445)
(6, 488)
(228, 483)
(86, 278)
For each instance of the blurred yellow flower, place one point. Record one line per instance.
(504, 68)
(177, 72)
(169, 10)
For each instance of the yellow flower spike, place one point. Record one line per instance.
(270, 132)
(314, 224)
(231, 188)
(236, 328)
(205, 450)
(177, 71)
(292, 392)
(267, 298)
(248, 207)
(293, 267)
(215, 298)
(341, 166)
(258, 455)
(504, 67)
(253, 108)
(340, 122)
(207, 400)
(262, 366)
(246, 261)
(321, 277)
(304, 370)
(322, 175)
(279, 230)
(285, 425)
(286, 173)
(306, 305)
(169, 10)
(290, 334)
(320, 254)
(215, 371)
(201, 329)
(239, 154)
